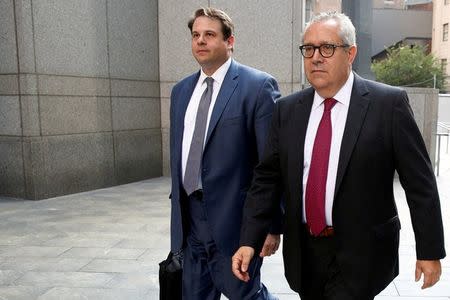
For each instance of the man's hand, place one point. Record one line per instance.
(240, 261)
(271, 245)
(431, 270)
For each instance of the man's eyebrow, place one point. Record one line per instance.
(321, 43)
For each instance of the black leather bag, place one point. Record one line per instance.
(170, 276)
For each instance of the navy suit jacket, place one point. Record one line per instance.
(380, 137)
(235, 140)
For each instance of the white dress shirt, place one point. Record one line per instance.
(191, 111)
(338, 120)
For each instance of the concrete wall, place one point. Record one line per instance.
(424, 103)
(444, 108)
(267, 37)
(79, 95)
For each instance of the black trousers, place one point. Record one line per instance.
(321, 276)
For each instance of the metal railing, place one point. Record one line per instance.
(443, 130)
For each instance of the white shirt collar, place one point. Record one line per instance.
(218, 75)
(342, 96)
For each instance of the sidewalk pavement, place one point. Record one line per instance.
(106, 244)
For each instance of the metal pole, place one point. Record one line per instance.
(438, 161)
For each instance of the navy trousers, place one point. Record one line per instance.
(207, 272)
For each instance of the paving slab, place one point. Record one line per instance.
(107, 253)
(65, 279)
(60, 293)
(17, 292)
(44, 264)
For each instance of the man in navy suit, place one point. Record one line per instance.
(214, 148)
(333, 150)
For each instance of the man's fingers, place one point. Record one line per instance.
(271, 245)
(431, 270)
(236, 268)
(240, 262)
(277, 245)
(429, 280)
(426, 282)
(245, 262)
(266, 251)
(418, 274)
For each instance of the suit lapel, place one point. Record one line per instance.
(183, 102)
(181, 105)
(357, 110)
(229, 84)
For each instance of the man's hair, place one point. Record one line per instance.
(347, 31)
(217, 14)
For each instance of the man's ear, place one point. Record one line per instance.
(230, 42)
(352, 51)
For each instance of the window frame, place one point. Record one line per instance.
(444, 64)
(445, 32)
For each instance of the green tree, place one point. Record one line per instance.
(408, 65)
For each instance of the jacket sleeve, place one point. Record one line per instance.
(417, 178)
(263, 197)
(267, 96)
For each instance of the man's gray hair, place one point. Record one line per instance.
(347, 31)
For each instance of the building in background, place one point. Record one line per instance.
(419, 4)
(396, 22)
(440, 42)
(389, 4)
(392, 27)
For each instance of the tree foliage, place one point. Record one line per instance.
(408, 65)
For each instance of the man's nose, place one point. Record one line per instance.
(201, 39)
(316, 55)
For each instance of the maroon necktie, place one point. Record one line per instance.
(318, 171)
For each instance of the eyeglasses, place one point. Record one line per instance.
(326, 50)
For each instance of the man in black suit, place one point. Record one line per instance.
(332, 151)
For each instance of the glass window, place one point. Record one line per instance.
(445, 32)
(444, 65)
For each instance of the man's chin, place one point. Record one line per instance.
(317, 81)
(202, 60)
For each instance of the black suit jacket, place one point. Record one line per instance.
(380, 137)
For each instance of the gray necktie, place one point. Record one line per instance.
(192, 172)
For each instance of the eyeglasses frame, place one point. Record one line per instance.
(301, 47)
